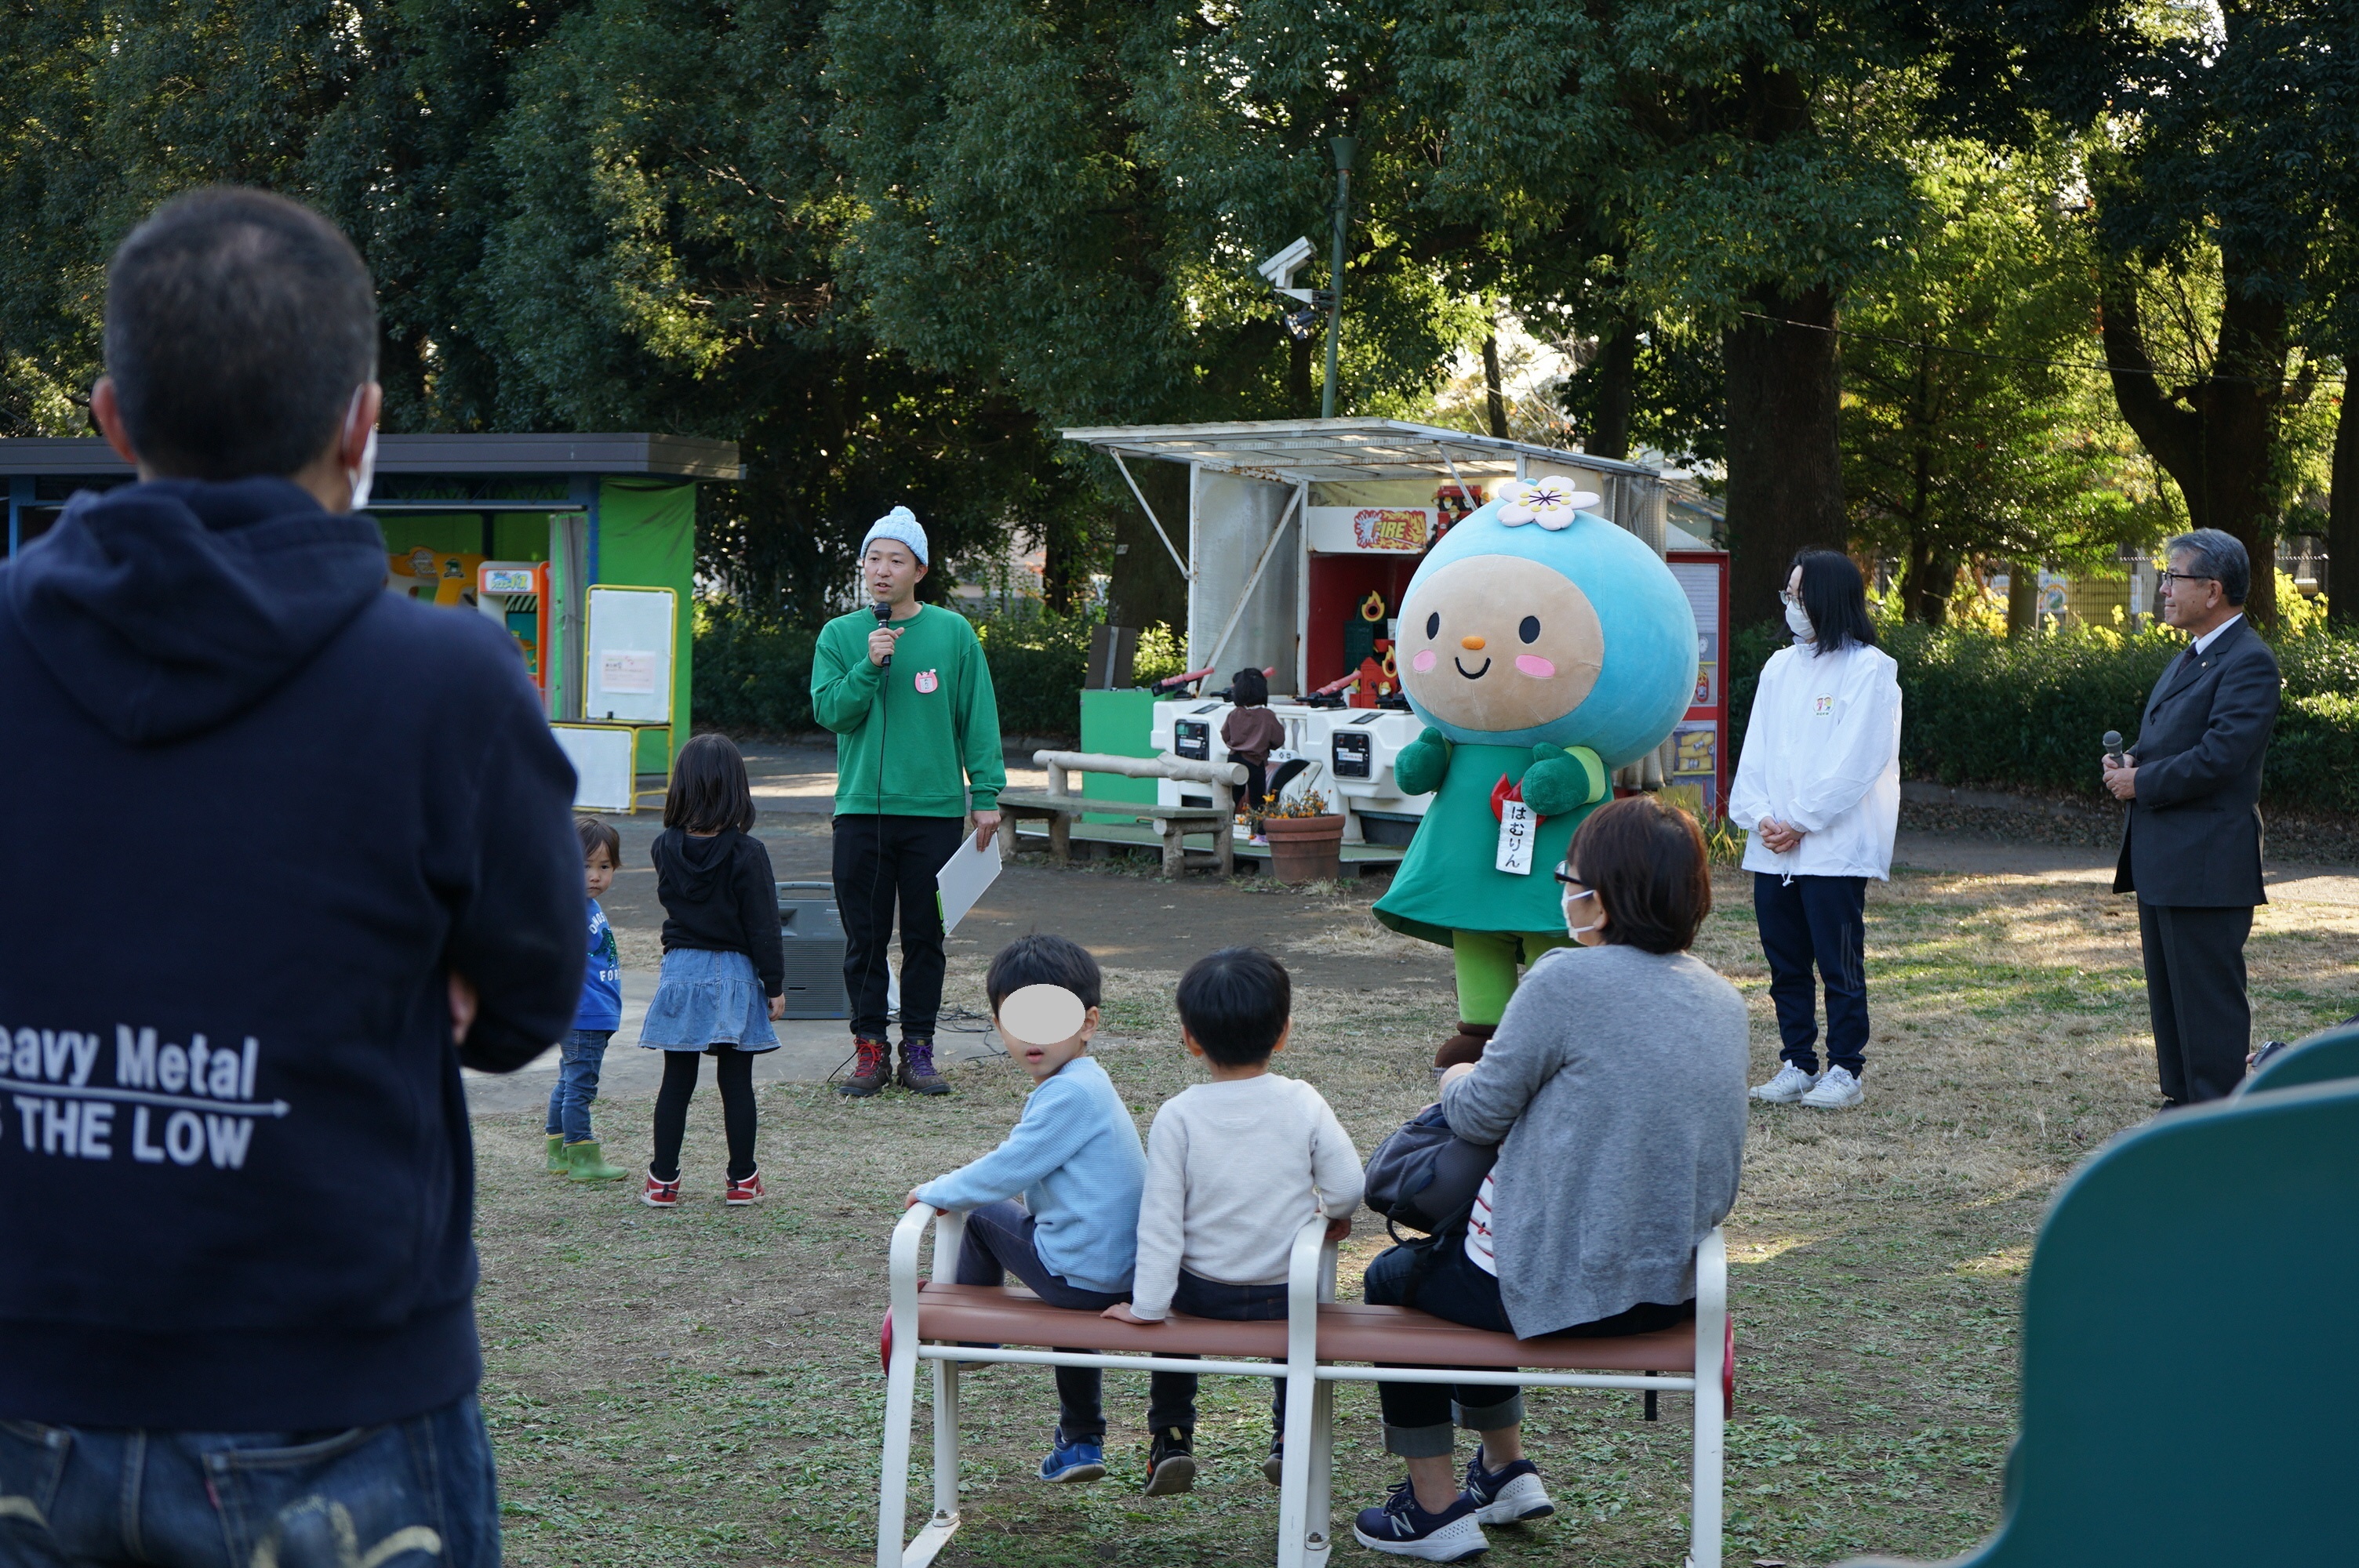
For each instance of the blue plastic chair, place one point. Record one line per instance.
(2326, 1055)
(2190, 1379)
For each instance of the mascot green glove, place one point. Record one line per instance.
(1543, 647)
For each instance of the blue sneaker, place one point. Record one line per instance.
(1405, 1530)
(1508, 1495)
(1082, 1459)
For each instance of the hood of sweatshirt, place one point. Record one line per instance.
(698, 866)
(168, 607)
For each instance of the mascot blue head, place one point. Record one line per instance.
(1533, 620)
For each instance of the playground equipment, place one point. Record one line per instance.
(2150, 1435)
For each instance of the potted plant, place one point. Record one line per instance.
(1306, 839)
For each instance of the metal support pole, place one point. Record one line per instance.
(1345, 148)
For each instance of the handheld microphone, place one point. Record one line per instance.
(884, 618)
(2113, 747)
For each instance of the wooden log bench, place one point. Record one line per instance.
(1060, 806)
(948, 1325)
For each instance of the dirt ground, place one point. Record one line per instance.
(703, 1385)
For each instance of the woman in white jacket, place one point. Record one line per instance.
(1818, 792)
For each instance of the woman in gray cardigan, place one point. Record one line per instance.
(1615, 1091)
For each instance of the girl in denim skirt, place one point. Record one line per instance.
(724, 965)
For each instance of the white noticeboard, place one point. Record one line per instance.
(603, 763)
(628, 649)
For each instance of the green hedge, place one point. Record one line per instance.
(753, 677)
(2031, 713)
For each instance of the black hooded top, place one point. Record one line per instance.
(718, 894)
(261, 811)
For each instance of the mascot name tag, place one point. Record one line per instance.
(1517, 827)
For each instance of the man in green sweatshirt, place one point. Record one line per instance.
(905, 688)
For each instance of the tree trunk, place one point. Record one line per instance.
(1785, 463)
(2022, 597)
(1145, 589)
(1928, 578)
(1617, 367)
(1064, 560)
(2342, 519)
(2217, 438)
(1495, 396)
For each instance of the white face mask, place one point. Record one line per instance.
(1578, 932)
(363, 477)
(1798, 620)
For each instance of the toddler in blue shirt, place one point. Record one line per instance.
(1076, 1159)
(572, 1151)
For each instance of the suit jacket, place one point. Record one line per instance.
(2194, 834)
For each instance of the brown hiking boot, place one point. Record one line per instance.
(872, 1070)
(1466, 1045)
(918, 1068)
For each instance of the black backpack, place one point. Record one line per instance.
(1426, 1178)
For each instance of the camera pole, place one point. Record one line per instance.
(1345, 148)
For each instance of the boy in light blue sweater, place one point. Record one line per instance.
(1075, 1156)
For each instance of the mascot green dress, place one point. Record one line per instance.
(1544, 647)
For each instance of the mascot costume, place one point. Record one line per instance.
(1544, 647)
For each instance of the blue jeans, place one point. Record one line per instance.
(1199, 1297)
(414, 1494)
(999, 1243)
(1821, 920)
(577, 1083)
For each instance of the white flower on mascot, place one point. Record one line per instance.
(1550, 501)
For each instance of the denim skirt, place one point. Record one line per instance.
(706, 998)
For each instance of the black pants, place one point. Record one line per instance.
(2195, 994)
(1199, 1297)
(882, 862)
(1257, 786)
(1417, 1415)
(1821, 921)
(733, 1070)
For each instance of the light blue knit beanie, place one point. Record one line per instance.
(901, 525)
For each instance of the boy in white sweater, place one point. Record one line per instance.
(1235, 1169)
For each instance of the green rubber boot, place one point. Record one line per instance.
(559, 1165)
(587, 1164)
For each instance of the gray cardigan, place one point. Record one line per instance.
(1615, 1090)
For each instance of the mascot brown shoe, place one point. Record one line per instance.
(1466, 1045)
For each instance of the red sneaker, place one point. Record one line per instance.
(750, 1190)
(660, 1195)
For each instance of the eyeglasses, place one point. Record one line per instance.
(2186, 576)
(1787, 596)
(1564, 874)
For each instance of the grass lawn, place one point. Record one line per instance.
(703, 1387)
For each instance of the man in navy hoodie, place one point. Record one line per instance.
(286, 851)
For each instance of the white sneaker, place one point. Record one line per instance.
(1836, 1091)
(1790, 1084)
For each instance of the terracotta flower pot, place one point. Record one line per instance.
(1305, 849)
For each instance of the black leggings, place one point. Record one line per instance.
(733, 1069)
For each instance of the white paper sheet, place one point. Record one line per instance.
(964, 878)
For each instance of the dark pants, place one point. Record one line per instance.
(733, 1070)
(999, 1243)
(1256, 784)
(882, 861)
(1199, 1297)
(1821, 920)
(415, 1492)
(1417, 1415)
(2195, 994)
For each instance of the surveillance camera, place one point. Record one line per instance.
(1280, 270)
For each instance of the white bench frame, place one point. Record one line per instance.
(1305, 1493)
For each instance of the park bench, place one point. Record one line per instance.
(2188, 1379)
(2317, 1058)
(947, 1323)
(1060, 804)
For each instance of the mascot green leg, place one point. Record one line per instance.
(1486, 965)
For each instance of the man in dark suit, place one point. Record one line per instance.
(2191, 843)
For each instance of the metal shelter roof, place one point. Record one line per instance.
(618, 454)
(1294, 451)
